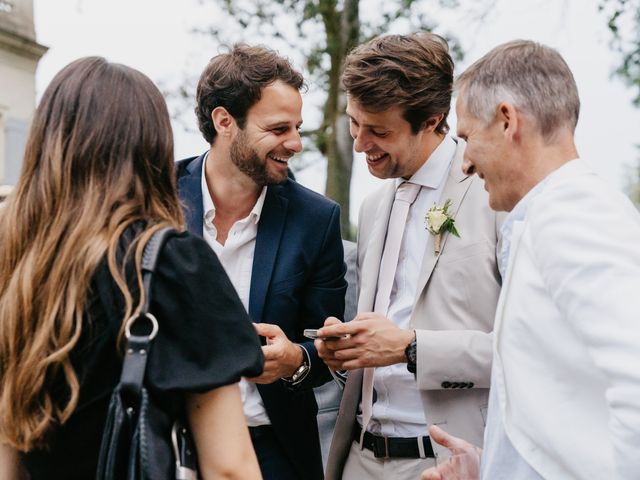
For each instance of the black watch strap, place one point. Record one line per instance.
(411, 352)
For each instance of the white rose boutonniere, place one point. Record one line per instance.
(438, 220)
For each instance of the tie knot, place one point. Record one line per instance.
(407, 192)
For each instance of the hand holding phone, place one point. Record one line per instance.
(313, 334)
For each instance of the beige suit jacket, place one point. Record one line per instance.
(453, 315)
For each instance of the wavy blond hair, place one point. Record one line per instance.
(99, 158)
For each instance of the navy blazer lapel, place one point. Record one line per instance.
(190, 193)
(270, 228)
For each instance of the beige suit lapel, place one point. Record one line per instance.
(455, 188)
(370, 266)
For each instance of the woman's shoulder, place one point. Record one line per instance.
(188, 252)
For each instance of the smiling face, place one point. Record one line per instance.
(270, 137)
(391, 149)
(489, 154)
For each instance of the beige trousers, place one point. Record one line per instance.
(363, 465)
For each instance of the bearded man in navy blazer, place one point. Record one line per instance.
(279, 242)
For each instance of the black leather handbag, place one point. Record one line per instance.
(141, 441)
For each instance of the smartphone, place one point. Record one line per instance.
(313, 334)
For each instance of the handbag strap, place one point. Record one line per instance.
(150, 256)
(137, 348)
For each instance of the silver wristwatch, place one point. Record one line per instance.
(302, 371)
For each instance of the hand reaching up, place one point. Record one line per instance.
(463, 464)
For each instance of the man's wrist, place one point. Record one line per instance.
(401, 345)
(411, 354)
(303, 368)
(298, 357)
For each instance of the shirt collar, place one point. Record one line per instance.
(209, 208)
(433, 172)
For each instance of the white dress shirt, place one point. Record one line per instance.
(397, 408)
(236, 256)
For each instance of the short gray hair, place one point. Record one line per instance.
(531, 76)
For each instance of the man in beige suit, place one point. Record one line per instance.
(419, 351)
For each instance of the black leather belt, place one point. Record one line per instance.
(393, 447)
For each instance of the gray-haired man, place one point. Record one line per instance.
(565, 384)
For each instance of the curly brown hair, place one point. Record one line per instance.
(235, 80)
(413, 72)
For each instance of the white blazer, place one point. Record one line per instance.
(567, 331)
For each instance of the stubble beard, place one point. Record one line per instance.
(249, 162)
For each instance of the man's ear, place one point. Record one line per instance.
(509, 120)
(223, 121)
(431, 124)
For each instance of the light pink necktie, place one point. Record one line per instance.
(405, 195)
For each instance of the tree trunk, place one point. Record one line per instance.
(343, 30)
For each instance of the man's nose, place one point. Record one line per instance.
(360, 143)
(294, 142)
(468, 167)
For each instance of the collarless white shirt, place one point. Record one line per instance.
(398, 410)
(236, 256)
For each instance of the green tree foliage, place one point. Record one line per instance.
(623, 20)
(322, 32)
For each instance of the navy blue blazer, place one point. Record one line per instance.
(297, 282)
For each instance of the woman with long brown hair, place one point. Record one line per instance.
(97, 181)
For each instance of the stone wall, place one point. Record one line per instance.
(19, 56)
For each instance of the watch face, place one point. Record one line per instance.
(301, 369)
(300, 372)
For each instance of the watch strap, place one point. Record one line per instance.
(411, 353)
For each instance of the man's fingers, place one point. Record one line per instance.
(267, 330)
(322, 348)
(272, 352)
(331, 321)
(447, 440)
(269, 373)
(347, 354)
(431, 474)
(339, 330)
(340, 343)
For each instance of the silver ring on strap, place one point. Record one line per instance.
(150, 317)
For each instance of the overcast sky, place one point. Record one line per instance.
(153, 36)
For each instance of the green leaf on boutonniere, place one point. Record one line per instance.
(438, 220)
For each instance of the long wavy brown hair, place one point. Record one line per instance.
(99, 157)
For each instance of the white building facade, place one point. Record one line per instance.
(19, 56)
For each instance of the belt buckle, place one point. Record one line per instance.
(376, 450)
